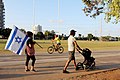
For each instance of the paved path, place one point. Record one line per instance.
(49, 66)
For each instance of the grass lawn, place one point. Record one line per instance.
(92, 45)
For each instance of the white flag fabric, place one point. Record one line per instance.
(16, 41)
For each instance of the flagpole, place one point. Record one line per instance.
(33, 17)
(58, 13)
(58, 10)
(101, 29)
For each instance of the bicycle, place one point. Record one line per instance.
(52, 48)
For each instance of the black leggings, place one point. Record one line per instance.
(30, 57)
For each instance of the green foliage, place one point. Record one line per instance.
(23, 30)
(5, 32)
(90, 37)
(39, 35)
(111, 9)
(49, 34)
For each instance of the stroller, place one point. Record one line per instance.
(89, 61)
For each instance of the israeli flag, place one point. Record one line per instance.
(16, 41)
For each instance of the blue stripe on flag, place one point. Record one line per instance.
(12, 37)
(26, 37)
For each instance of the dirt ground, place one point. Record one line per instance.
(108, 75)
(113, 74)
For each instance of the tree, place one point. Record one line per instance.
(62, 36)
(90, 37)
(39, 35)
(23, 30)
(49, 34)
(53, 32)
(111, 9)
(5, 32)
(46, 34)
(0, 31)
(79, 36)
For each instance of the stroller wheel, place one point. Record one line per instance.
(92, 66)
(79, 66)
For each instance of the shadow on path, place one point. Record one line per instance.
(5, 76)
(108, 66)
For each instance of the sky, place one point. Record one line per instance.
(60, 17)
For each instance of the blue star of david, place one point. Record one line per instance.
(18, 39)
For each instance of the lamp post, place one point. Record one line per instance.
(101, 30)
(58, 21)
(58, 10)
(33, 17)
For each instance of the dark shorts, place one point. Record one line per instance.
(58, 43)
(71, 55)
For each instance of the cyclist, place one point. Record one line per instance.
(57, 41)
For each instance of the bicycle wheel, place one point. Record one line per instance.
(50, 49)
(60, 50)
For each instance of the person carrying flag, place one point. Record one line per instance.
(30, 52)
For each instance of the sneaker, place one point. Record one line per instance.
(27, 70)
(64, 71)
(76, 68)
(33, 70)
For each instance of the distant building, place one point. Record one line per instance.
(37, 28)
(2, 14)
